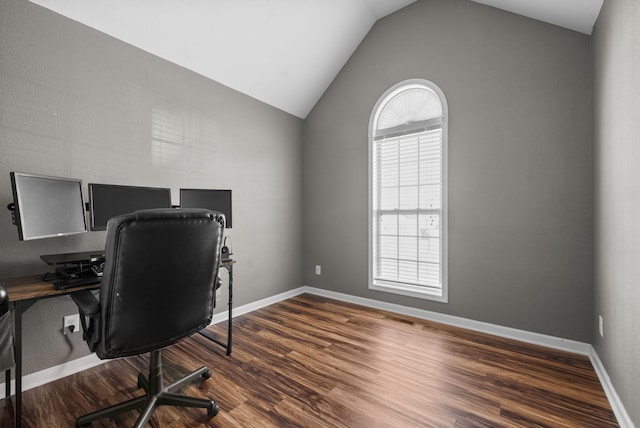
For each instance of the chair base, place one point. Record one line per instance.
(155, 395)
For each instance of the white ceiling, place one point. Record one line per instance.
(578, 15)
(285, 53)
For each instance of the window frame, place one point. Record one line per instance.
(393, 287)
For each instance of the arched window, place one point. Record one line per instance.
(408, 191)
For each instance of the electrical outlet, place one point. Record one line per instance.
(600, 326)
(71, 324)
(318, 269)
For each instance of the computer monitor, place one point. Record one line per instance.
(110, 200)
(212, 199)
(46, 207)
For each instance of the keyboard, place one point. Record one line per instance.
(76, 282)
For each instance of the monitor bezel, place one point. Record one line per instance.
(19, 215)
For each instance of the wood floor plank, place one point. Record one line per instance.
(315, 362)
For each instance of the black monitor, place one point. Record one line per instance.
(211, 199)
(46, 207)
(110, 200)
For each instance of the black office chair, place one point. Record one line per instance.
(157, 288)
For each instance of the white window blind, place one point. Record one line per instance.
(406, 239)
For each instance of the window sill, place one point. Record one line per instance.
(411, 291)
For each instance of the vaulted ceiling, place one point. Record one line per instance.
(282, 52)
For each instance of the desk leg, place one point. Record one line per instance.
(205, 333)
(230, 270)
(18, 354)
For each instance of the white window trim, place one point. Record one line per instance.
(412, 290)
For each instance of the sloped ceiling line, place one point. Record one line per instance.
(296, 46)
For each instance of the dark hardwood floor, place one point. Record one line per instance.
(314, 362)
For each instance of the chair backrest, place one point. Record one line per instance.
(159, 278)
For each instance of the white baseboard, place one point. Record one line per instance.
(616, 404)
(42, 377)
(497, 330)
(54, 373)
(250, 307)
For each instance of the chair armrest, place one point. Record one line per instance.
(89, 308)
(87, 303)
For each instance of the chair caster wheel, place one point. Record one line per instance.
(213, 409)
(206, 374)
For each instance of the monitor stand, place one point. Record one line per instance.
(71, 265)
(88, 257)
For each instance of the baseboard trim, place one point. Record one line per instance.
(614, 399)
(42, 377)
(483, 327)
(250, 307)
(51, 374)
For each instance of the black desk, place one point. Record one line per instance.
(24, 291)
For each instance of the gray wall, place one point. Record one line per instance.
(77, 103)
(520, 164)
(617, 188)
